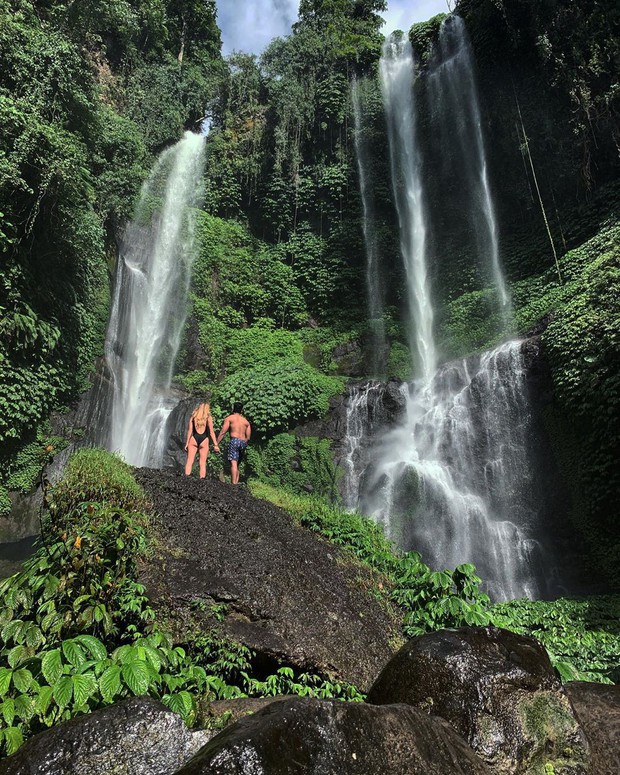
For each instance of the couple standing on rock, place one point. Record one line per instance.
(201, 428)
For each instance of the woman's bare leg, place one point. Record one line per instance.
(203, 453)
(191, 454)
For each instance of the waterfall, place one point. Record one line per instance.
(453, 101)
(454, 480)
(360, 413)
(149, 307)
(374, 286)
(397, 76)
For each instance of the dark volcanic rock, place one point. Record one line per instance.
(497, 689)
(598, 709)
(289, 595)
(136, 737)
(223, 713)
(325, 737)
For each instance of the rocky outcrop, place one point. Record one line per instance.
(598, 709)
(135, 737)
(327, 737)
(286, 593)
(499, 692)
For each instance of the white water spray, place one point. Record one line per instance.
(453, 99)
(149, 304)
(397, 77)
(374, 286)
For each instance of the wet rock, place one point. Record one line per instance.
(220, 714)
(598, 709)
(139, 736)
(349, 359)
(324, 737)
(287, 595)
(498, 690)
(176, 432)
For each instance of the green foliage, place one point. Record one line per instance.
(298, 464)
(95, 475)
(429, 600)
(280, 395)
(76, 629)
(581, 636)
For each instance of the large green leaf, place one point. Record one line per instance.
(180, 703)
(110, 683)
(22, 679)
(63, 691)
(51, 666)
(96, 648)
(5, 680)
(7, 709)
(73, 652)
(13, 738)
(84, 686)
(43, 699)
(136, 676)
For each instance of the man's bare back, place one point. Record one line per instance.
(238, 427)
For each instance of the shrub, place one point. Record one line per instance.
(96, 475)
(279, 395)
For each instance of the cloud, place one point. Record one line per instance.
(249, 25)
(401, 14)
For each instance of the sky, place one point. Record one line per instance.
(249, 25)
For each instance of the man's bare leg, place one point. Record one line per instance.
(234, 472)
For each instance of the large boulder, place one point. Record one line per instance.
(139, 736)
(598, 709)
(325, 737)
(498, 690)
(279, 589)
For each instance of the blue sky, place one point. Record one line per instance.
(249, 25)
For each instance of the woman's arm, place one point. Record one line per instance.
(212, 434)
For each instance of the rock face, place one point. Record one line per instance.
(326, 737)
(598, 709)
(498, 690)
(288, 594)
(136, 737)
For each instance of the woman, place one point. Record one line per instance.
(198, 432)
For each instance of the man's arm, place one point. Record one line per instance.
(248, 431)
(224, 430)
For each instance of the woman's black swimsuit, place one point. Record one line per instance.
(199, 437)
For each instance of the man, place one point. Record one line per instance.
(240, 431)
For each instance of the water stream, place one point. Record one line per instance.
(397, 75)
(374, 285)
(452, 97)
(149, 307)
(453, 479)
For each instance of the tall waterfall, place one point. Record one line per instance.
(454, 480)
(397, 75)
(149, 306)
(453, 101)
(374, 285)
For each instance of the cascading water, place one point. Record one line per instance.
(397, 75)
(149, 307)
(453, 479)
(361, 404)
(453, 101)
(374, 285)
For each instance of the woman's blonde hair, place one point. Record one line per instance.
(202, 412)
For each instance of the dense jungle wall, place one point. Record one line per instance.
(278, 316)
